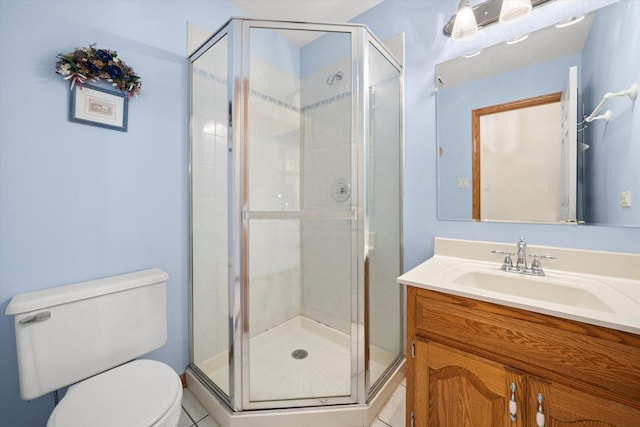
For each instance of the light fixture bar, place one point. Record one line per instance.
(486, 13)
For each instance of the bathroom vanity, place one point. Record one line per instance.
(487, 347)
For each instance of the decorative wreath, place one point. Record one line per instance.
(89, 63)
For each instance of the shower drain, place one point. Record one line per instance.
(299, 354)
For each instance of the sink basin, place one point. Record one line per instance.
(576, 292)
(538, 288)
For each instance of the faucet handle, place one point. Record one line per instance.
(536, 266)
(543, 256)
(507, 264)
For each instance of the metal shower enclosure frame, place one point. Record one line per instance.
(237, 31)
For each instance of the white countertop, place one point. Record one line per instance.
(613, 276)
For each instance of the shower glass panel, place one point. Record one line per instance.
(383, 196)
(209, 206)
(299, 215)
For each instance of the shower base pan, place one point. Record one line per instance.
(276, 372)
(280, 373)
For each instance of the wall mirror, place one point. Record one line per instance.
(576, 172)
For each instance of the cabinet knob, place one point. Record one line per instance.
(513, 406)
(540, 413)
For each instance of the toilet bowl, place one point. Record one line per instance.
(142, 393)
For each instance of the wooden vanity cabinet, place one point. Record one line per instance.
(452, 388)
(472, 363)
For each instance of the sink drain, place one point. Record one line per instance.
(299, 354)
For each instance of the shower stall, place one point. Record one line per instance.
(295, 216)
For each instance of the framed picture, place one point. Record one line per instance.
(99, 106)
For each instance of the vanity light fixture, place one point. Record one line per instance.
(570, 21)
(465, 24)
(517, 39)
(513, 10)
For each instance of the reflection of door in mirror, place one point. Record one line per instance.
(569, 150)
(524, 158)
(516, 158)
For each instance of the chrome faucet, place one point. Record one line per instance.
(521, 260)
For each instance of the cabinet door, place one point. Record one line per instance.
(453, 388)
(564, 406)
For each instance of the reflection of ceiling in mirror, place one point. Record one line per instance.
(540, 46)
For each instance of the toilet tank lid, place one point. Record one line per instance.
(38, 300)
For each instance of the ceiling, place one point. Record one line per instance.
(305, 11)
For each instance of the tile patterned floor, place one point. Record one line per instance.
(393, 412)
(391, 415)
(193, 414)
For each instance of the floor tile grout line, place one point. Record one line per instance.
(384, 422)
(195, 422)
(189, 415)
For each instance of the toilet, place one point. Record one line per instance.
(88, 336)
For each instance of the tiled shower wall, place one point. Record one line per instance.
(274, 186)
(300, 145)
(326, 244)
(209, 204)
(274, 178)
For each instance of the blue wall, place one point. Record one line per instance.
(272, 47)
(612, 159)
(79, 202)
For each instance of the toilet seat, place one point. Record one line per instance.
(141, 393)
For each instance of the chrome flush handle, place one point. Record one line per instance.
(40, 317)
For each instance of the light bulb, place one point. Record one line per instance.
(465, 24)
(514, 9)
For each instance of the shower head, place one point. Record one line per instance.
(333, 77)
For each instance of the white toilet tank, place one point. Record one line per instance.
(68, 333)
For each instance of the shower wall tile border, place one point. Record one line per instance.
(273, 100)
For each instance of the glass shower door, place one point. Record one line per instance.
(299, 223)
